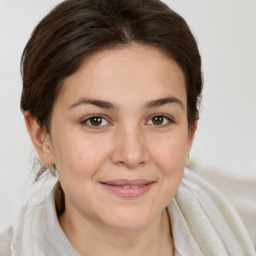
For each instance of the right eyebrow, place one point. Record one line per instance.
(98, 103)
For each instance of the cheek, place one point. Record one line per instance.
(170, 152)
(76, 155)
(169, 155)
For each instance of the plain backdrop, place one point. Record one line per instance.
(225, 141)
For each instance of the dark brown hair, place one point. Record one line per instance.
(76, 29)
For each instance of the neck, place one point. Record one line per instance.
(90, 239)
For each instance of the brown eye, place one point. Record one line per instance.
(95, 121)
(158, 120)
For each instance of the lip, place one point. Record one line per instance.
(128, 188)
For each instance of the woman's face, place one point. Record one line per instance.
(119, 136)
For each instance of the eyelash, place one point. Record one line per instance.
(166, 118)
(84, 122)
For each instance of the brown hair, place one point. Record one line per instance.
(76, 29)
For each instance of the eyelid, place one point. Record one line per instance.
(85, 120)
(165, 116)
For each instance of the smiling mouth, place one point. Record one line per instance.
(128, 188)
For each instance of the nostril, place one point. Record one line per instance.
(129, 148)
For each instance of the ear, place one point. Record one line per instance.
(40, 138)
(191, 135)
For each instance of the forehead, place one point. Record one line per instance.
(134, 72)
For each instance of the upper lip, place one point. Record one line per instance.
(126, 182)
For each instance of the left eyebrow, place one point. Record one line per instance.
(108, 105)
(163, 101)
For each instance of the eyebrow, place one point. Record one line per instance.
(163, 101)
(98, 103)
(107, 105)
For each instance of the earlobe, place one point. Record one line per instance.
(40, 139)
(191, 136)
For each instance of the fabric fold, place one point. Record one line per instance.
(216, 227)
(203, 223)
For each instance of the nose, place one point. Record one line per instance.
(130, 149)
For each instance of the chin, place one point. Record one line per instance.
(129, 220)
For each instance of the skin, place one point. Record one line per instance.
(127, 142)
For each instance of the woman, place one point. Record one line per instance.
(110, 98)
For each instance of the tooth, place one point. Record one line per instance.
(127, 186)
(134, 186)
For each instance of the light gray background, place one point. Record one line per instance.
(225, 140)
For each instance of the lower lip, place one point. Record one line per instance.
(128, 192)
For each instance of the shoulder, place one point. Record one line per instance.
(26, 231)
(5, 242)
(211, 220)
